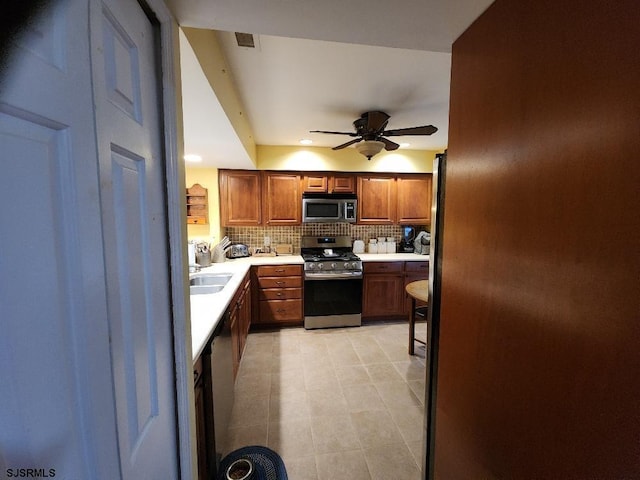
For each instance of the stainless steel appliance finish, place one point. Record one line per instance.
(222, 384)
(329, 208)
(332, 283)
(238, 250)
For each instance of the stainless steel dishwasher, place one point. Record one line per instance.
(222, 384)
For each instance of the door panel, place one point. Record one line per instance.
(134, 228)
(56, 410)
(538, 361)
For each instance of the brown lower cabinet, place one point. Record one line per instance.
(203, 394)
(384, 284)
(278, 295)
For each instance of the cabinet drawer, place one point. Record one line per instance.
(383, 267)
(280, 293)
(279, 270)
(280, 310)
(416, 267)
(280, 282)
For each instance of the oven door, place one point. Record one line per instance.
(332, 302)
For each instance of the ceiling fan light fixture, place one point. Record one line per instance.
(369, 148)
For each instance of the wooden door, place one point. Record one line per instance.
(414, 199)
(240, 196)
(315, 183)
(538, 359)
(282, 200)
(376, 199)
(133, 198)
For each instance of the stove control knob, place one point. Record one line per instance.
(311, 266)
(347, 265)
(354, 265)
(320, 266)
(333, 266)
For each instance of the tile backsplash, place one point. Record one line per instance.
(254, 236)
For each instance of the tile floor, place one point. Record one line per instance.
(335, 403)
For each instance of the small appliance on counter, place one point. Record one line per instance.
(238, 250)
(203, 254)
(422, 243)
(358, 246)
(406, 243)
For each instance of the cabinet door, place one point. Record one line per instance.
(235, 339)
(376, 199)
(201, 416)
(282, 199)
(383, 295)
(240, 194)
(315, 183)
(342, 184)
(414, 199)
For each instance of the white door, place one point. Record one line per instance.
(86, 362)
(127, 88)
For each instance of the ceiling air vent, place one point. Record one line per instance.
(245, 40)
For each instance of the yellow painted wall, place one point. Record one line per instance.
(346, 160)
(208, 178)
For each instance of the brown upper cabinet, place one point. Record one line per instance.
(414, 199)
(377, 199)
(240, 197)
(329, 183)
(254, 197)
(281, 204)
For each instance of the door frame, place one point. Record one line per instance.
(177, 234)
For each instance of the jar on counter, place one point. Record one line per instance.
(391, 245)
(373, 246)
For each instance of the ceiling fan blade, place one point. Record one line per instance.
(351, 134)
(376, 121)
(388, 144)
(340, 147)
(425, 130)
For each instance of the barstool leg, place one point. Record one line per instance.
(412, 326)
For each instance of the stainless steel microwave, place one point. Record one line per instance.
(329, 208)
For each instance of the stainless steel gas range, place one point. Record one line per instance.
(332, 283)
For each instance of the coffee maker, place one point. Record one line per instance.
(406, 243)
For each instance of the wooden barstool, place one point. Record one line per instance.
(417, 291)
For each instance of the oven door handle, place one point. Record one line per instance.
(333, 276)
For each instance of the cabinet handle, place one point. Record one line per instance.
(279, 283)
(280, 270)
(280, 310)
(195, 375)
(279, 294)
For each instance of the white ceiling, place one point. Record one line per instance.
(319, 65)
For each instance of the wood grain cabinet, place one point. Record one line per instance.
(240, 319)
(282, 198)
(328, 183)
(414, 199)
(240, 197)
(204, 415)
(278, 294)
(376, 199)
(383, 285)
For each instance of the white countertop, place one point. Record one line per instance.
(207, 310)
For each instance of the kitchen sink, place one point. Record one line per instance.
(204, 289)
(210, 279)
